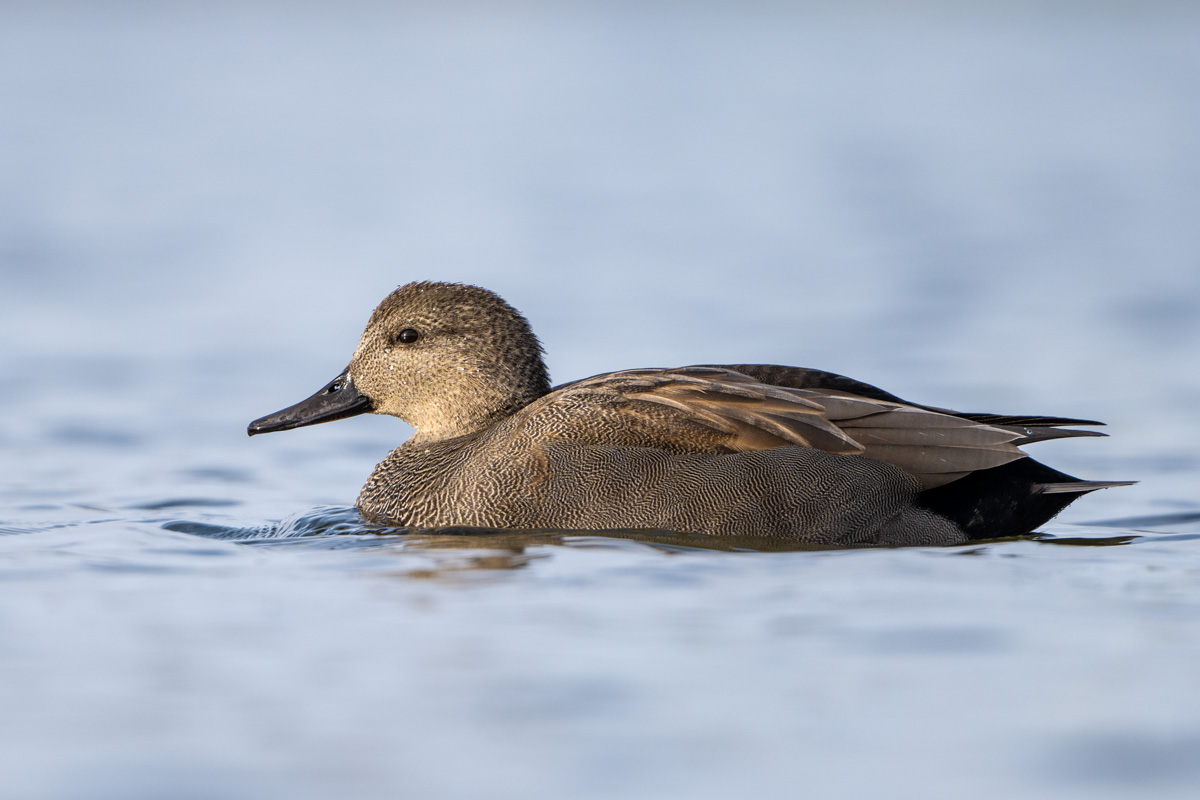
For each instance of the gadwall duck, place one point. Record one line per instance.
(747, 449)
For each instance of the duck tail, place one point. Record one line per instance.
(1013, 499)
(1079, 487)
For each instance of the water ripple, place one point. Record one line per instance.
(319, 522)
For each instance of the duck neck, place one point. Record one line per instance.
(476, 404)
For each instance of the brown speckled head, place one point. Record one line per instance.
(448, 358)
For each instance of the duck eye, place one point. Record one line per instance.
(408, 336)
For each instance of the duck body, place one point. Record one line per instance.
(749, 450)
(783, 493)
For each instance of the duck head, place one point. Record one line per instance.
(447, 358)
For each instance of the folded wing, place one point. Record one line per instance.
(744, 412)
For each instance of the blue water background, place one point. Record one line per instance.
(986, 206)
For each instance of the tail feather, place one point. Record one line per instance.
(1078, 487)
(1032, 421)
(1034, 434)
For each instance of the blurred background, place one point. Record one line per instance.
(989, 206)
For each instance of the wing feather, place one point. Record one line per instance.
(819, 410)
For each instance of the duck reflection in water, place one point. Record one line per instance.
(487, 553)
